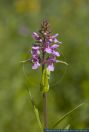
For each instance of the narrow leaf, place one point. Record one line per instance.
(38, 118)
(32, 101)
(64, 116)
(63, 62)
(24, 61)
(36, 112)
(67, 127)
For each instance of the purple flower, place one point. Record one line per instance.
(54, 39)
(36, 37)
(55, 53)
(44, 51)
(48, 50)
(35, 65)
(35, 47)
(35, 50)
(54, 46)
(50, 63)
(50, 67)
(52, 50)
(35, 60)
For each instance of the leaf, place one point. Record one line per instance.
(67, 127)
(36, 112)
(63, 62)
(64, 116)
(44, 85)
(38, 118)
(33, 104)
(24, 61)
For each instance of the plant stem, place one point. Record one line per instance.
(45, 110)
(44, 102)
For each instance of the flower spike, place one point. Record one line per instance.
(44, 50)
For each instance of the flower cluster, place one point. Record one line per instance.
(44, 50)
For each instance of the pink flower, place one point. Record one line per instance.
(44, 51)
(52, 50)
(35, 65)
(50, 63)
(50, 67)
(36, 37)
(48, 50)
(54, 39)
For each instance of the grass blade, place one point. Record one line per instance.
(64, 116)
(67, 127)
(36, 112)
(38, 118)
(32, 101)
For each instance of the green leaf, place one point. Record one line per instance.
(44, 85)
(38, 118)
(67, 127)
(63, 62)
(36, 112)
(33, 104)
(64, 116)
(24, 61)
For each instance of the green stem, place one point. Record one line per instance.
(45, 110)
(44, 102)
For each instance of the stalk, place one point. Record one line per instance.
(45, 110)
(45, 116)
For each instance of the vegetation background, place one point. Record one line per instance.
(69, 85)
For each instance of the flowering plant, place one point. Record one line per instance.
(44, 54)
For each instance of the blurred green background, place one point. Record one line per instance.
(69, 85)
